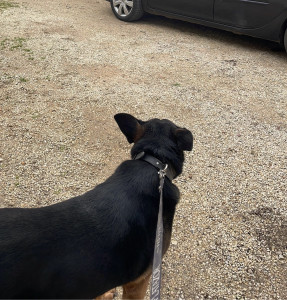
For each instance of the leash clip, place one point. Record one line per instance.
(162, 172)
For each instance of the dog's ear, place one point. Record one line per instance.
(184, 139)
(130, 126)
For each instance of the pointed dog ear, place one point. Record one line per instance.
(184, 139)
(130, 126)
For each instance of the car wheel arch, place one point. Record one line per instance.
(285, 37)
(283, 33)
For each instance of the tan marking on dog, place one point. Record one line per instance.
(139, 133)
(137, 288)
(107, 296)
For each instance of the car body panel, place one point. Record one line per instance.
(202, 9)
(265, 21)
(247, 13)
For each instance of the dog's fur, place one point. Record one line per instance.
(87, 245)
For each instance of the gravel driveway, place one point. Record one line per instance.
(66, 67)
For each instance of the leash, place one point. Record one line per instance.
(157, 256)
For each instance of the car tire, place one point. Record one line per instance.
(127, 10)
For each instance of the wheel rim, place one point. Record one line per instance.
(123, 7)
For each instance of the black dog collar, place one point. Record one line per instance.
(156, 163)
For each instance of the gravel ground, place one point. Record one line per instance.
(66, 67)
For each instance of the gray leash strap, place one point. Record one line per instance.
(157, 256)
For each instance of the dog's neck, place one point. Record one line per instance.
(167, 168)
(174, 160)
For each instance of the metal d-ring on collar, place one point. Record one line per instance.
(157, 256)
(156, 163)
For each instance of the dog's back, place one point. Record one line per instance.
(67, 248)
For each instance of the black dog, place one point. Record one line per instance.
(87, 245)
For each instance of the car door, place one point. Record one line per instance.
(247, 13)
(200, 9)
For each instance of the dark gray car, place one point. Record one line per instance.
(266, 19)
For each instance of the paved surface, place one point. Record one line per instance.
(66, 67)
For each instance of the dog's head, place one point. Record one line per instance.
(160, 138)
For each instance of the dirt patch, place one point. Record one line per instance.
(271, 228)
